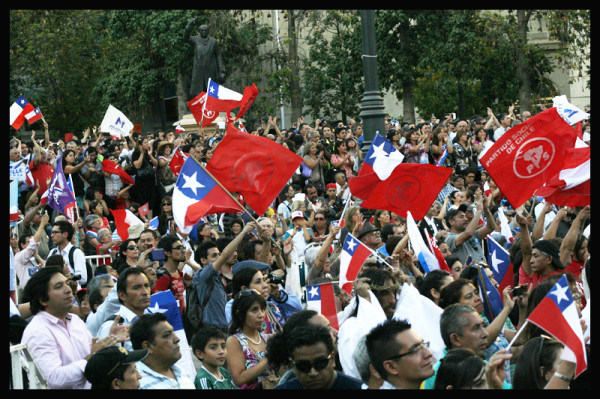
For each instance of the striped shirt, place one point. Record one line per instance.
(153, 380)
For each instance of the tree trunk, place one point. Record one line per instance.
(408, 100)
(523, 70)
(295, 94)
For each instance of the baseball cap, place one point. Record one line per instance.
(104, 362)
(550, 249)
(249, 263)
(297, 214)
(464, 207)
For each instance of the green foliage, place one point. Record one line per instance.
(333, 72)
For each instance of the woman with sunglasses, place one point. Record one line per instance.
(247, 345)
(128, 256)
(166, 215)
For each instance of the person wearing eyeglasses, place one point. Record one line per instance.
(312, 355)
(128, 256)
(399, 355)
(169, 276)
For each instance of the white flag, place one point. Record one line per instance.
(570, 113)
(116, 123)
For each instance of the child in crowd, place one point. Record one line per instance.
(208, 345)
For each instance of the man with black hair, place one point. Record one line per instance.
(158, 370)
(465, 237)
(312, 353)
(169, 276)
(61, 235)
(58, 340)
(133, 290)
(208, 283)
(399, 355)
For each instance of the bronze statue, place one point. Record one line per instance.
(207, 60)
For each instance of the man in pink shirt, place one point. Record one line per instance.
(59, 340)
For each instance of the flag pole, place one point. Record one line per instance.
(232, 197)
(517, 335)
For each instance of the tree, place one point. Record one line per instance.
(333, 72)
(54, 62)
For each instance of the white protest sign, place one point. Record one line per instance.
(116, 123)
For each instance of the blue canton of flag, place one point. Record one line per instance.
(492, 301)
(498, 259)
(383, 157)
(561, 294)
(164, 302)
(153, 224)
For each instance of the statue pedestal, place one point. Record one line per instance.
(190, 125)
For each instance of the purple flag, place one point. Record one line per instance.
(60, 196)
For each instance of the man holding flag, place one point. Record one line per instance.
(466, 238)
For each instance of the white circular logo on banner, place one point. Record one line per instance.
(533, 157)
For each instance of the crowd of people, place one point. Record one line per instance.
(86, 324)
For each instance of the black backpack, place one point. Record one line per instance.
(88, 266)
(192, 318)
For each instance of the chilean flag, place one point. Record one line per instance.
(443, 156)
(384, 182)
(320, 298)
(426, 258)
(353, 255)
(380, 161)
(111, 167)
(19, 110)
(220, 98)
(557, 315)
(127, 224)
(571, 185)
(34, 116)
(491, 298)
(177, 161)
(435, 250)
(197, 194)
(499, 261)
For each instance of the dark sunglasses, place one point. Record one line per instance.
(319, 218)
(131, 247)
(166, 203)
(319, 364)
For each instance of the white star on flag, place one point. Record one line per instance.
(495, 262)
(192, 183)
(560, 293)
(351, 245)
(313, 291)
(156, 309)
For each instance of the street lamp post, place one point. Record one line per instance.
(371, 108)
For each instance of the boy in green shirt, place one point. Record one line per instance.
(208, 345)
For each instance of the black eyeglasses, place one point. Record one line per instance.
(417, 349)
(178, 248)
(319, 364)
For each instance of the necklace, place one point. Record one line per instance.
(251, 340)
